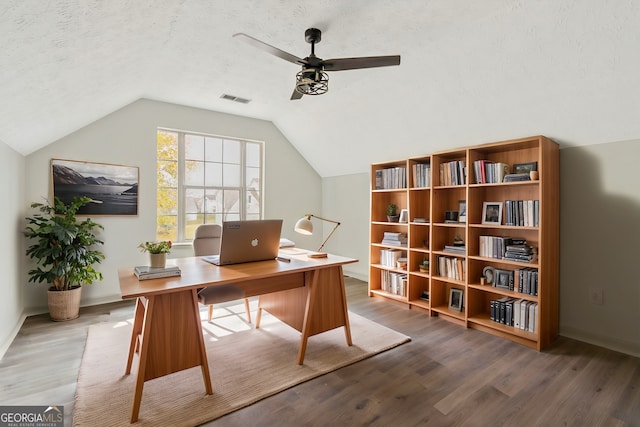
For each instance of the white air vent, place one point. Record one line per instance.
(235, 98)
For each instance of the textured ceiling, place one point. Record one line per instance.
(471, 72)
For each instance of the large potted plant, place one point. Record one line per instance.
(65, 250)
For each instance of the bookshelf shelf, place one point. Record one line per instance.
(430, 188)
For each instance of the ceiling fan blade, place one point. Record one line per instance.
(295, 95)
(270, 49)
(340, 64)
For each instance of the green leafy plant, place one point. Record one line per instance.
(392, 209)
(64, 248)
(163, 247)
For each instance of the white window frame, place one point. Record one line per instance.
(243, 190)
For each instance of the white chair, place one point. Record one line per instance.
(207, 242)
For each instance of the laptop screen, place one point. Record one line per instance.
(249, 241)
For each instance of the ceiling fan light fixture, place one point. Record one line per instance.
(312, 82)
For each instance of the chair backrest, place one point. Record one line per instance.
(207, 240)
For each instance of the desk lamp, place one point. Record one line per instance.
(304, 226)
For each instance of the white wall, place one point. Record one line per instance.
(346, 199)
(12, 261)
(599, 244)
(128, 137)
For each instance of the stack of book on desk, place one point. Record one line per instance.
(144, 272)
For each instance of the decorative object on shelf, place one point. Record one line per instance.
(488, 273)
(65, 250)
(492, 213)
(157, 252)
(455, 299)
(533, 175)
(392, 213)
(404, 216)
(451, 217)
(462, 211)
(115, 195)
(305, 226)
(525, 168)
(424, 266)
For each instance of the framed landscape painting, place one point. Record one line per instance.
(113, 189)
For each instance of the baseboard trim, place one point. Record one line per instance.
(623, 346)
(5, 345)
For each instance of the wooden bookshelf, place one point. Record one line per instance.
(451, 179)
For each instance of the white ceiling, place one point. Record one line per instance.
(472, 71)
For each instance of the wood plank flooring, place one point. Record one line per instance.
(446, 376)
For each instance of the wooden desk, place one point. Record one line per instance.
(307, 294)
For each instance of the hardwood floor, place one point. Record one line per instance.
(446, 376)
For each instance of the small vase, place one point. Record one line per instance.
(158, 260)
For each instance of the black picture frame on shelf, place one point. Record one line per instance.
(492, 213)
(525, 167)
(456, 297)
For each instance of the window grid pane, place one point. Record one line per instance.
(205, 179)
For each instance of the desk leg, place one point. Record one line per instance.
(171, 341)
(326, 306)
(144, 350)
(135, 334)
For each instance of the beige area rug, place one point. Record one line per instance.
(246, 365)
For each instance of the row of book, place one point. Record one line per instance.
(509, 248)
(143, 272)
(394, 283)
(422, 175)
(488, 172)
(453, 173)
(522, 213)
(390, 257)
(393, 238)
(451, 267)
(391, 178)
(523, 280)
(519, 313)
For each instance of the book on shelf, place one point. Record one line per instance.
(394, 238)
(453, 173)
(489, 172)
(422, 175)
(144, 272)
(522, 213)
(390, 257)
(391, 178)
(451, 267)
(518, 313)
(456, 249)
(394, 282)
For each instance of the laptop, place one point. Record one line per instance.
(248, 241)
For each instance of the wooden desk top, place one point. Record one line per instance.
(197, 273)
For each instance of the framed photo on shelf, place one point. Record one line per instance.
(525, 167)
(455, 299)
(462, 211)
(492, 213)
(404, 215)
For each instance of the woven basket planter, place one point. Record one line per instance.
(64, 305)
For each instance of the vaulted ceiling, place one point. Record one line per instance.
(471, 71)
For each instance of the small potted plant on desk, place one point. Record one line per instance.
(65, 251)
(392, 213)
(157, 252)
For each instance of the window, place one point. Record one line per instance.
(204, 179)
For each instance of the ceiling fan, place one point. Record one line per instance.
(312, 79)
